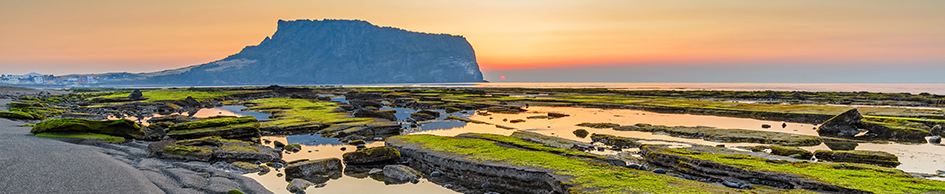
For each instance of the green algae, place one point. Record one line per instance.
(184, 150)
(859, 156)
(588, 177)
(288, 112)
(529, 145)
(103, 137)
(16, 115)
(214, 122)
(788, 151)
(123, 127)
(848, 175)
(176, 94)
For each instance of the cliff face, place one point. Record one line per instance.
(335, 52)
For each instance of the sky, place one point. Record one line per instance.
(798, 41)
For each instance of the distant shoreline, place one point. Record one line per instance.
(914, 88)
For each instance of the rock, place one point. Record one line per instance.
(516, 121)
(309, 168)
(278, 144)
(937, 130)
(616, 141)
(122, 128)
(371, 155)
(842, 125)
(244, 152)
(375, 171)
(370, 131)
(182, 152)
(599, 125)
(732, 184)
(424, 115)
(384, 114)
(557, 115)
(783, 125)
(400, 173)
(295, 147)
(859, 156)
(452, 109)
(356, 142)
(580, 133)
(659, 171)
(789, 151)
(226, 127)
(765, 126)
(136, 95)
(436, 173)
(840, 144)
(298, 185)
(935, 139)
(234, 191)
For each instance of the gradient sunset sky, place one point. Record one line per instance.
(837, 41)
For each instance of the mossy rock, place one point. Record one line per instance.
(791, 151)
(16, 115)
(291, 146)
(371, 155)
(216, 122)
(859, 156)
(612, 140)
(211, 141)
(581, 133)
(234, 191)
(183, 152)
(122, 128)
(599, 125)
(92, 136)
(453, 109)
(242, 130)
(356, 142)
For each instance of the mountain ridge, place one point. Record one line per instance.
(330, 51)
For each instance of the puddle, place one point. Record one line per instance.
(228, 110)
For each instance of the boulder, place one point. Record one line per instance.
(400, 173)
(580, 133)
(297, 185)
(935, 139)
(242, 152)
(136, 95)
(937, 130)
(842, 125)
(895, 132)
(313, 168)
(859, 156)
(123, 128)
(371, 155)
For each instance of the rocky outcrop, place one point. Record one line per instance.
(424, 115)
(122, 128)
(297, 185)
(332, 52)
(619, 142)
(371, 155)
(859, 156)
(318, 171)
(383, 114)
(400, 174)
(842, 125)
(213, 148)
(793, 152)
(727, 135)
(482, 174)
(227, 127)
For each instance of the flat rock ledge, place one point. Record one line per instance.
(476, 176)
(180, 176)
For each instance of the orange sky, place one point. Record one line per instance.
(60, 37)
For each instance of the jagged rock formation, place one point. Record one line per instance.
(332, 52)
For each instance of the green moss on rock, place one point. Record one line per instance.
(123, 128)
(16, 115)
(599, 125)
(102, 137)
(791, 151)
(612, 140)
(215, 122)
(371, 155)
(859, 156)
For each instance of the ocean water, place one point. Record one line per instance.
(820, 87)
